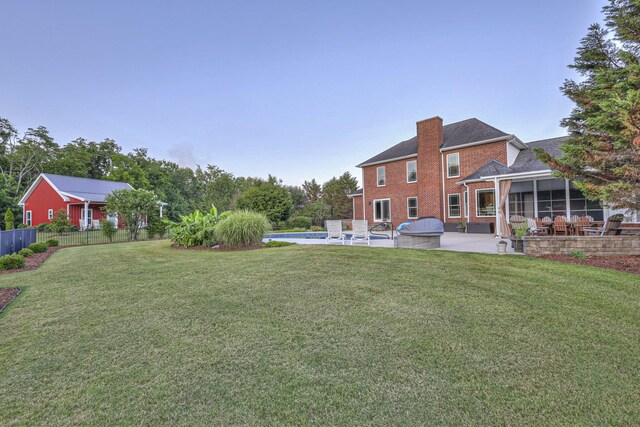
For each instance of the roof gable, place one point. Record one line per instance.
(95, 190)
(453, 135)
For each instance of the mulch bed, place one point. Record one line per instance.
(627, 264)
(215, 248)
(34, 261)
(7, 295)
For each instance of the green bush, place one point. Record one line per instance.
(316, 228)
(277, 244)
(300, 222)
(26, 252)
(9, 220)
(43, 226)
(196, 228)
(578, 255)
(52, 242)
(60, 222)
(108, 229)
(39, 248)
(155, 227)
(242, 229)
(11, 262)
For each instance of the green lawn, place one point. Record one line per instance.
(138, 333)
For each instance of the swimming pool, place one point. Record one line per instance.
(311, 235)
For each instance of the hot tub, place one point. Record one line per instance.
(423, 233)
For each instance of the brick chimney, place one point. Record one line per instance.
(429, 167)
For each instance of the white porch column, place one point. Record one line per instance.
(86, 215)
(567, 198)
(161, 206)
(535, 198)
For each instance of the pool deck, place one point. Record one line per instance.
(459, 242)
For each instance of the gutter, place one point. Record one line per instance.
(532, 174)
(486, 141)
(361, 165)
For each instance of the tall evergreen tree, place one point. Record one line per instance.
(603, 154)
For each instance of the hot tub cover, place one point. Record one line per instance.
(422, 227)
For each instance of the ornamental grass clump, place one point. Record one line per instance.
(242, 229)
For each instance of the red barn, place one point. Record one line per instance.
(82, 199)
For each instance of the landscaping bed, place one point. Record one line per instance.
(627, 264)
(7, 295)
(33, 261)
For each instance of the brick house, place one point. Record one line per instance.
(457, 173)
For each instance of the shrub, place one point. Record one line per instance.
(39, 248)
(52, 242)
(300, 222)
(316, 228)
(8, 220)
(60, 222)
(195, 229)
(26, 252)
(242, 229)
(155, 227)
(21, 225)
(74, 228)
(277, 244)
(43, 226)
(11, 262)
(578, 255)
(108, 229)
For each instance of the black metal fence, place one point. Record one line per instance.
(15, 240)
(91, 237)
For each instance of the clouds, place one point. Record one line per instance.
(184, 154)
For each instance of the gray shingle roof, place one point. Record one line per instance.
(526, 161)
(358, 192)
(453, 134)
(494, 167)
(94, 190)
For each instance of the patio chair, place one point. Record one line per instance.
(611, 227)
(547, 220)
(334, 231)
(582, 223)
(560, 225)
(516, 221)
(536, 230)
(360, 231)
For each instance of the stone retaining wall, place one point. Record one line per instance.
(590, 245)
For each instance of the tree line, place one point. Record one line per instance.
(25, 155)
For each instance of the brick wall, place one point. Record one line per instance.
(564, 245)
(357, 207)
(471, 159)
(429, 133)
(396, 189)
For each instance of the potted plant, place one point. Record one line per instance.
(502, 247)
(461, 227)
(517, 241)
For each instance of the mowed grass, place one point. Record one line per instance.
(138, 333)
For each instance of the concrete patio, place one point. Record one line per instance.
(482, 243)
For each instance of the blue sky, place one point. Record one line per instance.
(293, 88)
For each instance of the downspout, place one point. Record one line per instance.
(466, 206)
(498, 205)
(444, 209)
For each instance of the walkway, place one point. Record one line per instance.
(483, 243)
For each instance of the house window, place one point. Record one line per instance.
(382, 210)
(412, 207)
(412, 171)
(454, 205)
(50, 214)
(485, 203)
(381, 176)
(466, 204)
(453, 165)
(28, 218)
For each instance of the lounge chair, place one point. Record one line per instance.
(611, 226)
(334, 231)
(360, 230)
